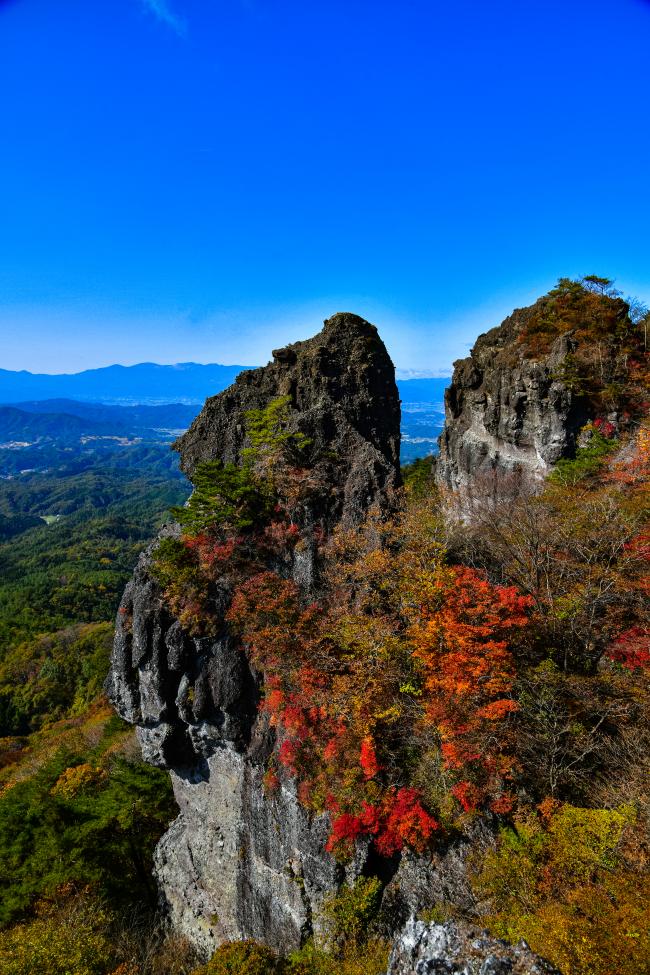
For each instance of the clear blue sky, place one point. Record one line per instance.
(205, 179)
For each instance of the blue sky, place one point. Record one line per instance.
(206, 179)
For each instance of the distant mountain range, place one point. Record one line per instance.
(17, 425)
(67, 422)
(143, 419)
(151, 384)
(65, 435)
(120, 408)
(186, 382)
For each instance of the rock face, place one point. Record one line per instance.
(506, 413)
(422, 883)
(343, 397)
(237, 863)
(454, 949)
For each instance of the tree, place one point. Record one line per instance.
(572, 731)
(600, 286)
(461, 634)
(571, 551)
(226, 498)
(570, 881)
(271, 439)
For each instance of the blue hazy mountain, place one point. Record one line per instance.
(139, 418)
(22, 426)
(186, 382)
(158, 402)
(149, 383)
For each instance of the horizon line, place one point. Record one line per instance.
(407, 374)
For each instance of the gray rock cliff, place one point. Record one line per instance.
(506, 412)
(238, 863)
(343, 397)
(458, 949)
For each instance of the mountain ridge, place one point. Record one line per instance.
(189, 382)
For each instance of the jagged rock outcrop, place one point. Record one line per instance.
(343, 397)
(507, 412)
(458, 949)
(236, 862)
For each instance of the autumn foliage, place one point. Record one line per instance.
(606, 360)
(399, 687)
(401, 656)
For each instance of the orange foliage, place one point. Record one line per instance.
(461, 638)
(368, 758)
(402, 654)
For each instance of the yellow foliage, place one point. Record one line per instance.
(369, 959)
(596, 930)
(52, 945)
(76, 778)
(564, 882)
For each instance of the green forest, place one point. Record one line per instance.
(79, 812)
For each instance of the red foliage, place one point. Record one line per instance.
(605, 428)
(467, 794)
(631, 649)
(633, 469)
(503, 805)
(324, 700)
(368, 758)
(214, 556)
(462, 640)
(287, 754)
(266, 610)
(399, 819)
(332, 749)
(346, 829)
(407, 822)
(640, 545)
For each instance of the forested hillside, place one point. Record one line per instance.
(79, 811)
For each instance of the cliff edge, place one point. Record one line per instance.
(518, 402)
(237, 863)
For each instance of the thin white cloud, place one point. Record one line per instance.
(163, 12)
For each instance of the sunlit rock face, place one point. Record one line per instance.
(343, 397)
(507, 415)
(459, 949)
(238, 862)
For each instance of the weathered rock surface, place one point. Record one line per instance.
(344, 398)
(237, 863)
(506, 413)
(421, 883)
(458, 949)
